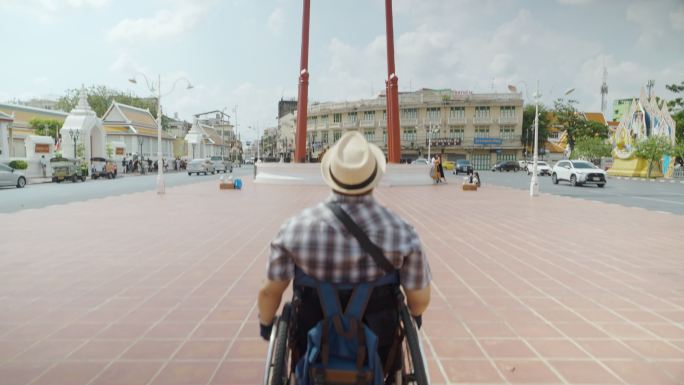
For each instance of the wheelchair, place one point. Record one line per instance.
(404, 362)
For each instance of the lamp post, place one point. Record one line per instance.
(152, 87)
(534, 182)
(431, 131)
(74, 135)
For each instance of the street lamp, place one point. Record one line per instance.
(534, 182)
(258, 141)
(431, 131)
(152, 87)
(74, 135)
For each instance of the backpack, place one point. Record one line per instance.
(341, 349)
(237, 184)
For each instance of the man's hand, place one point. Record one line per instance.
(265, 331)
(269, 300)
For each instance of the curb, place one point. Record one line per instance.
(647, 180)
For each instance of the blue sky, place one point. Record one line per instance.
(246, 52)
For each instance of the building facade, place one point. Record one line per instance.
(20, 128)
(137, 130)
(483, 128)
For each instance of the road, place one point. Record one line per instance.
(35, 196)
(656, 195)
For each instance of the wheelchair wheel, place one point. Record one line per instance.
(414, 372)
(277, 372)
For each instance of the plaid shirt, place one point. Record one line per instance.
(319, 244)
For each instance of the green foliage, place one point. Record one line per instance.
(45, 127)
(110, 150)
(80, 150)
(576, 124)
(528, 125)
(652, 149)
(677, 151)
(18, 164)
(679, 126)
(101, 97)
(675, 89)
(591, 149)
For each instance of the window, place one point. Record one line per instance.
(324, 136)
(482, 132)
(505, 156)
(369, 135)
(384, 115)
(457, 112)
(409, 113)
(324, 119)
(369, 116)
(433, 114)
(384, 136)
(409, 134)
(508, 112)
(456, 133)
(337, 135)
(337, 118)
(507, 133)
(351, 116)
(481, 112)
(311, 121)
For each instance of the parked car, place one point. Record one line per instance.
(543, 168)
(102, 168)
(201, 166)
(578, 172)
(65, 168)
(221, 165)
(422, 161)
(11, 177)
(523, 164)
(448, 164)
(464, 166)
(506, 165)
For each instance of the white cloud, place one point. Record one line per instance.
(677, 18)
(124, 63)
(48, 10)
(575, 2)
(276, 20)
(164, 24)
(651, 17)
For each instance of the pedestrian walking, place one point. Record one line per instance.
(442, 178)
(352, 168)
(123, 165)
(43, 165)
(434, 170)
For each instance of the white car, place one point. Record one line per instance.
(578, 172)
(542, 168)
(200, 166)
(11, 177)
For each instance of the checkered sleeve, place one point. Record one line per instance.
(415, 271)
(280, 262)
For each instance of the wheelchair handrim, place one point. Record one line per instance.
(269, 356)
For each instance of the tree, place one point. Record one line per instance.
(591, 149)
(80, 150)
(677, 152)
(652, 149)
(45, 127)
(101, 97)
(527, 138)
(677, 103)
(110, 150)
(576, 124)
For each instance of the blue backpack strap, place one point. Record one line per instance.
(358, 301)
(330, 302)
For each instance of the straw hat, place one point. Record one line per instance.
(353, 166)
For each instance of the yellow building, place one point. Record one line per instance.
(484, 128)
(137, 129)
(20, 129)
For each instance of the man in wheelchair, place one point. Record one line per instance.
(358, 271)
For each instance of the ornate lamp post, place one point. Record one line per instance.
(534, 182)
(156, 87)
(74, 135)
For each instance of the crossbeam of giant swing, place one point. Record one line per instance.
(391, 84)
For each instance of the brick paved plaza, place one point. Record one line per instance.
(140, 289)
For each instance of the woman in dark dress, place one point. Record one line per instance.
(441, 169)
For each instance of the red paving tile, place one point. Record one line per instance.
(71, 373)
(584, 372)
(496, 282)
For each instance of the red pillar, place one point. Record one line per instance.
(393, 134)
(302, 98)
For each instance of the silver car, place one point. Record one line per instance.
(11, 177)
(200, 166)
(221, 165)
